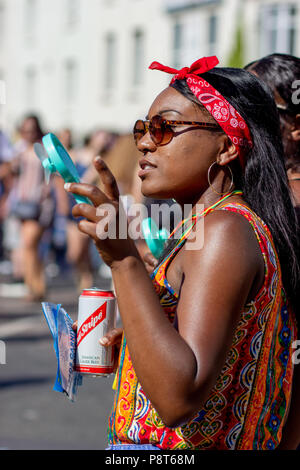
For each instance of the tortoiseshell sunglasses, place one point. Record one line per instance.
(161, 131)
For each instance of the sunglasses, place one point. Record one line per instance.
(161, 131)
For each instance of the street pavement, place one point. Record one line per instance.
(32, 415)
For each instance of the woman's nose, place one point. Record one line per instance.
(146, 144)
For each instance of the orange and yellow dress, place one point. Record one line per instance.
(248, 405)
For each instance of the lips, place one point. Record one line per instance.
(145, 166)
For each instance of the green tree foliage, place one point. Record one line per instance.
(236, 57)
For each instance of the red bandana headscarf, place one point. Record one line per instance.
(223, 112)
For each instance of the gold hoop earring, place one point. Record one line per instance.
(209, 182)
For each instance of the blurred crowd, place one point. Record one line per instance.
(39, 237)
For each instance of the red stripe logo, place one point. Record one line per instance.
(91, 322)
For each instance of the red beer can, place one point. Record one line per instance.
(96, 316)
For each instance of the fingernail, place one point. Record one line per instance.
(98, 160)
(67, 186)
(103, 341)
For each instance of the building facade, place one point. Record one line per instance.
(83, 64)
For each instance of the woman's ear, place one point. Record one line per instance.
(295, 133)
(228, 152)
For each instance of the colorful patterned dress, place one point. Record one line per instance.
(248, 405)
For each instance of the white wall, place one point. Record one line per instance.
(51, 44)
(45, 43)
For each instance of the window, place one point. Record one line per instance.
(30, 17)
(292, 30)
(30, 87)
(177, 43)
(110, 61)
(109, 3)
(278, 28)
(212, 34)
(70, 82)
(188, 40)
(2, 21)
(72, 12)
(194, 45)
(138, 61)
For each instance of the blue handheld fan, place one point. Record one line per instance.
(154, 238)
(55, 158)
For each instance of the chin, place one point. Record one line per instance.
(156, 193)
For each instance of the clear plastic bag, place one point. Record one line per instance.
(64, 342)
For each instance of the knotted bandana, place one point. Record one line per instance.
(221, 110)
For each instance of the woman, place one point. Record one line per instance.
(206, 358)
(32, 202)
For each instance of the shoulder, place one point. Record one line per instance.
(225, 226)
(224, 237)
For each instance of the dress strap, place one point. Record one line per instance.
(191, 222)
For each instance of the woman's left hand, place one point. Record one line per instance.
(102, 219)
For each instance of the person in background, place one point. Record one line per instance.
(58, 244)
(79, 249)
(6, 155)
(32, 203)
(99, 142)
(281, 72)
(293, 172)
(77, 244)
